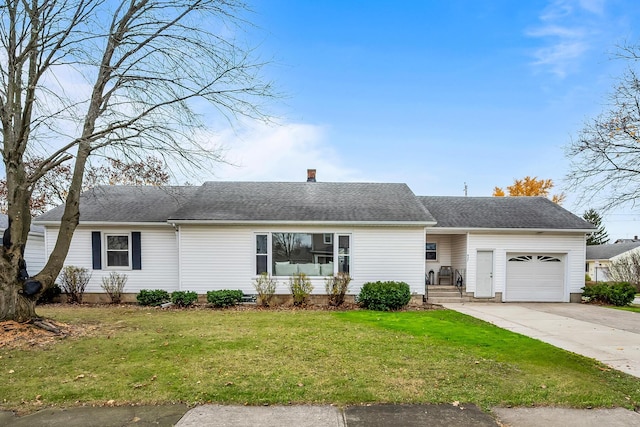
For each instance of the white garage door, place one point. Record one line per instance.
(535, 277)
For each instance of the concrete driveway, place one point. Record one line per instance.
(605, 334)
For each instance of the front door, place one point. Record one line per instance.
(484, 275)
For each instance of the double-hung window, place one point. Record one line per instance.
(117, 251)
(431, 253)
(262, 254)
(117, 248)
(344, 253)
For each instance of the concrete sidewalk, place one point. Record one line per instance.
(607, 335)
(321, 416)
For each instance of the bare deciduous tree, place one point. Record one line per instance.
(51, 190)
(605, 156)
(626, 269)
(92, 77)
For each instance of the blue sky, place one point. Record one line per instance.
(435, 94)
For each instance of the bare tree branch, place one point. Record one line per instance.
(85, 78)
(605, 156)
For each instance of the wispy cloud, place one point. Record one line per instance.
(566, 31)
(282, 152)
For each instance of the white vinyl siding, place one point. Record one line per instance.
(34, 253)
(459, 254)
(224, 257)
(213, 257)
(388, 253)
(571, 246)
(159, 252)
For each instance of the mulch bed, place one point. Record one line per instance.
(16, 335)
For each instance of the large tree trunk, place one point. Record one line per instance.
(13, 304)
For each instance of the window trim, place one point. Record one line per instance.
(105, 237)
(431, 251)
(349, 255)
(256, 254)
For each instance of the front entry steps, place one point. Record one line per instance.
(446, 294)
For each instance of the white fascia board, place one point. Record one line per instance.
(445, 230)
(106, 224)
(332, 223)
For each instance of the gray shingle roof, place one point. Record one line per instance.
(501, 212)
(4, 223)
(127, 204)
(304, 201)
(609, 251)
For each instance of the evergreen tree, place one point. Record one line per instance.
(600, 236)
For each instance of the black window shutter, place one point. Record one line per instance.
(96, 250)
(136, 256)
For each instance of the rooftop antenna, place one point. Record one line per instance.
(465, 189)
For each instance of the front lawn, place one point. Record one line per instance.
(136, 355)
(633, 307)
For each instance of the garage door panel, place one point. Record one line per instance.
(535, 277)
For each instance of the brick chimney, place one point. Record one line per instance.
(311, 175)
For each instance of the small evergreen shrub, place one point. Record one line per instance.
(265, 286)
(224, 298)
(337, 287)
(596, 293)
(618, 293)
(587, 278)
(300, 287)
(184, 298)
(621, 293)
(114, 286)
(73, 282)
(50, 294)
(153, 297)
(384, 296)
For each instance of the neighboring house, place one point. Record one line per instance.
(222, 235)
(599, 258)
(635, 239)
(34, 251)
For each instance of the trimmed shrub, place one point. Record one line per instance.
(224, 298)
(73, 281)
(587, 278)
(50, 294)
(265, 286)
(337, 287)
(153, 297)
(300, 287)
(618, 294)
(114, 286)
(184, 298)
(621, 293)
(597, 293)
(384, 296)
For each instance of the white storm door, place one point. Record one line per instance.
(484, 275)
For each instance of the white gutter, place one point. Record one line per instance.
(106, 223)
(445, 230)
(272, 222)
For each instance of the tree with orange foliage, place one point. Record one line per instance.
(529, 186)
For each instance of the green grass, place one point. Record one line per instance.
(280, 357)
(634, 308)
